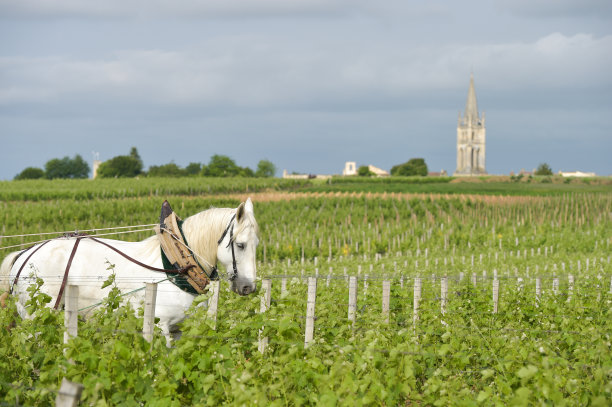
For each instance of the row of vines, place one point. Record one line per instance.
(555, 350)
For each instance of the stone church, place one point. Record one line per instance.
(471, 138)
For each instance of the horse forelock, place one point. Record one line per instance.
(247, 221)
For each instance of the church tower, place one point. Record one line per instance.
(471, 137)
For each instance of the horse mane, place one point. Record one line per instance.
(204, 229)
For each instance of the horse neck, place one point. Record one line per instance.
(203, 231)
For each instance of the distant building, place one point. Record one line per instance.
(377, 171)
(350, 168)
(442, 173)
(577, 174)
(286, 175)
(471, 135)
(96, 164)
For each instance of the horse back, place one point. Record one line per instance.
(5, 269)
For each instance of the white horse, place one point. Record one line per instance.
(89, 268)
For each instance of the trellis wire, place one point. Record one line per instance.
(77, 231)
(69, 237)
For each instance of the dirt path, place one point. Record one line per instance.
(275, 196)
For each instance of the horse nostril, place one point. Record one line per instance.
(246, 290)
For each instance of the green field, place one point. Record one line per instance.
(553, 351)
(483, 185)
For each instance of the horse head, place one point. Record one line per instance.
(237, 249)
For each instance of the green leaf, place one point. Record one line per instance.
(527, 372)
(110, 280)
(487, 373)
(482, 396)
(444, 349)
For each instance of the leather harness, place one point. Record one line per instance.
(79, 237)
(185, 271)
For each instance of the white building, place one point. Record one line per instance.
(350, 168)
(471, 136)
(578, 174)
(377, 171)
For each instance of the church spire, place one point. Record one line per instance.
(471, 106)
(471, 138)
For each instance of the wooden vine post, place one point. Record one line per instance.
(386, 293)
(443, 294)
(495, 295)
(69, 394)
(352, 307)
(213, 302)
(71, 312)
(149, 311)
(417, 298)
(310, 310)
(284, 287)
(266, 286)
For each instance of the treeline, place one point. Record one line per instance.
(412, 167)
(65, 167)
(131, 165)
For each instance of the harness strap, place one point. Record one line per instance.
(133, 260)
(230, 228)
(26, 262)
(231, 242)
(65, 280)
(226, 230)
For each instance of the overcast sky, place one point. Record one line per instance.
(306, 84)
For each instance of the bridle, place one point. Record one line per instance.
(230, 228)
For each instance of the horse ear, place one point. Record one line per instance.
(240, 212)
(248, 205)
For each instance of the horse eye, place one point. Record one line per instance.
(240, 246)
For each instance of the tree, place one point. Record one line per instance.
(67, 168)
(221, 166)
(544, 169)
(134, 154)
(31, 173)
(245, 172)
(166, 170)
(120, 166)
(414, 166)
(193, 168)
(364, 171)
(265, 169)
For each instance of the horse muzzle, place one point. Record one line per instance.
(244, 288)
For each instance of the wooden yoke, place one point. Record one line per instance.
(178, 253)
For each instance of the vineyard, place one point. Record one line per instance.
(460, 300)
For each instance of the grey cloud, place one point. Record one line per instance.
(164, 9)
(220, 9)
(558, 8)
(258, 73)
